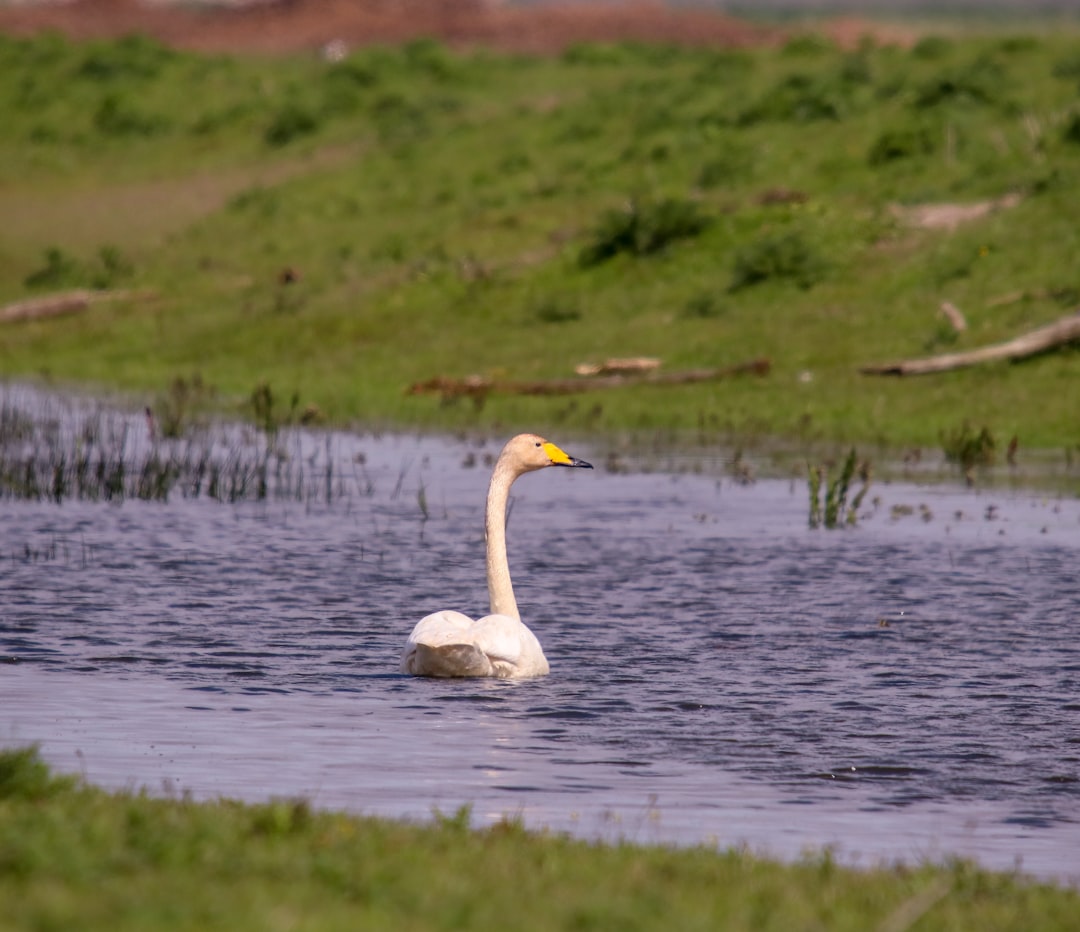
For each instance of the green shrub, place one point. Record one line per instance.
(60, 270)
(1071, 132)
(113, 266)
(555, 309)
(430, 57)
(594, 53)
(799, 98)
(726, 163)
(785, 256)
(981, 83)
(643, 228)
(1068, 67)
(115, 116)
(904, 143)
(807, 45)
(63, 271)
(25, 776)
(704, 304)
(133, 57)
(291, 122)
(932, 48)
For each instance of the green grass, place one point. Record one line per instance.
(454, 214)
(72, 856)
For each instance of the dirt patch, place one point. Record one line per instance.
(279, 26)
(950, 216)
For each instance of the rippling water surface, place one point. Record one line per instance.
(909, 688)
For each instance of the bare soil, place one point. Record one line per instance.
(281, 26)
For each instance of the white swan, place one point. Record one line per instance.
(448, 643)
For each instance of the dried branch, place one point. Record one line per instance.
(478, 387)
(64, 303)
(1059, 333)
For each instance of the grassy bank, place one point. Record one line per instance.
(342, 230)
(76, 857)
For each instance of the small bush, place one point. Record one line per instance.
(1071, 132)
(25, 776)
(1067, 68)
(932, 48)
(291, 122)
(895, 145)
(981, 83)
(399, 119)
(705, 304)
(807, 45)
(643, 228)
(63, 271)
(115, 116)
(554, 309)
(786, 256)
(592, 53)
(430, 57)
(133, 57)
(799, 98)
(726, 164)
(60, 270)
(113, 266)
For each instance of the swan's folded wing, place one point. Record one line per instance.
(512, 648)
(441, 628)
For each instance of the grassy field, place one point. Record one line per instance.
(76, 857)
(341, 230)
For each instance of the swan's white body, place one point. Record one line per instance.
(448, 643)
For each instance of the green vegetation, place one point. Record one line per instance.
(340, 231)
(72, 856)
(837, 511)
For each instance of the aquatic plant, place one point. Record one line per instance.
(969, 448)
(835, 511)
(175, 411)
(102, 457)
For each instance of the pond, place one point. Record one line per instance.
(904, 689)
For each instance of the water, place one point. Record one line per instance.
(721, 674)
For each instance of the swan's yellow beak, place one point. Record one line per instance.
(559, 458)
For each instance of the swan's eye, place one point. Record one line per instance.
(538, 444)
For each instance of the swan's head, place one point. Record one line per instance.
(527, 452)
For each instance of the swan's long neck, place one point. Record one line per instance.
(500, 589)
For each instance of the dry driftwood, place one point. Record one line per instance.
(618, 366)
(1066, 330)
(954, 316)
(478, 387)
(62, 303)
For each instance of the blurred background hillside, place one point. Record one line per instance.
(520, 25)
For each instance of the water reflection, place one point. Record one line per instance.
(904, 689)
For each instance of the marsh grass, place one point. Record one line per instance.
(111, 457)
(829, 505)
(77, 857)
(969, 449)
(427, 199)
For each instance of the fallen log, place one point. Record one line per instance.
(636, 364)
(479, 387)
(63, 303)
(1059, 333)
